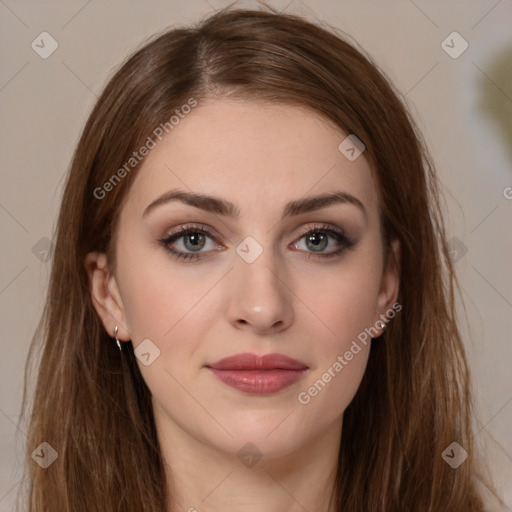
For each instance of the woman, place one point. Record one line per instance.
(251, 305)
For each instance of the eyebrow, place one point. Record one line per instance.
(222, 207)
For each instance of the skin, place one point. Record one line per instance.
(290, 300)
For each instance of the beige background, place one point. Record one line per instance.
(463, 106)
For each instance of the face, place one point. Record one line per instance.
(246, 262)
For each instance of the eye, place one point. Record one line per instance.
(192, 242)
(189, 238)
(320, 237)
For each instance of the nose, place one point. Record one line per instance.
(260, 298)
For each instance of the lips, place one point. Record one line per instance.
(259, 375)
(254, 362)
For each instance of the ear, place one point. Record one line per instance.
(105, 295)
(390, 285)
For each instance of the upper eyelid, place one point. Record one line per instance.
(208, 229)
(212, 233)
(183, 230)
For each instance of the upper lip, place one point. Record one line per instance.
(247, 361)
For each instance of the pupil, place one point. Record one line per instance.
(196, 241)
(321, 240)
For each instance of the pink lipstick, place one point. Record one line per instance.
(259, 375)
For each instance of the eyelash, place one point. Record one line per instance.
(339, 235)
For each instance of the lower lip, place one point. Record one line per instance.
(259, 382)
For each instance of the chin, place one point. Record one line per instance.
(272, 436)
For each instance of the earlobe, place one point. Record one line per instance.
(105, 295)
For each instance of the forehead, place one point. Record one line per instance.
(258, 155)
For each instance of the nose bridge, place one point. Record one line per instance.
(256, 269)
(260, 296)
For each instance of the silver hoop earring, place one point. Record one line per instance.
(117, 339)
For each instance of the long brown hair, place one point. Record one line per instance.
(93, 407)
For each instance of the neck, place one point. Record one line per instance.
(203, 477)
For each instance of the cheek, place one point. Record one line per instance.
(332, 388)
(346, 308)
(156, 300)
(343, 303)
(339, 365)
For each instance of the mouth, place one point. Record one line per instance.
(258, 375)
